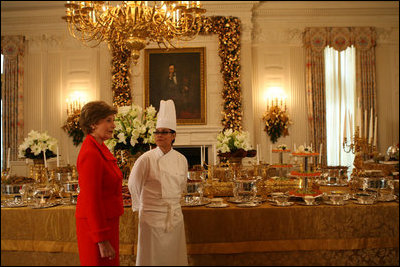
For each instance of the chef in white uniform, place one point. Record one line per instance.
(156, 183)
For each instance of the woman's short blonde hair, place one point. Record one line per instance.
(92, 112)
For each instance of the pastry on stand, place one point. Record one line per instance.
(306, 173)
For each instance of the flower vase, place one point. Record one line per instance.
(125, 161)
(235, 160)
(38, 171)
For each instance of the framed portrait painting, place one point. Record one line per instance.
(177, 74)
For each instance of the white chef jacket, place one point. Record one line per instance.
(156, 183)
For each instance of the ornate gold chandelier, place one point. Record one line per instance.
(131, 25)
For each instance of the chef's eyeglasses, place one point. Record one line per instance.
(163, 133)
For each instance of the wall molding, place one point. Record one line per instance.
(336, 12)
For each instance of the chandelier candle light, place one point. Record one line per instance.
(133, 24)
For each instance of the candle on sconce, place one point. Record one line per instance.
(204, 153)
(258, 155)
(370, 126)
(365, 124)
(67, 106)
(44, 158)
(351, 124)
(270, 154)
(344, 127)
(67, 154)
(320, 154)
(58, 159)
(215, 154)
(8, 157)
(376, 131)
(201, 155)
(358, 117)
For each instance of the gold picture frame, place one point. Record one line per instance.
(186, 86)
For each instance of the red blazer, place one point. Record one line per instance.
(100, 183)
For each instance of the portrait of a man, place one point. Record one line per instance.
(177, 74)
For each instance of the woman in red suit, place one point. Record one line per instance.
(99, 203)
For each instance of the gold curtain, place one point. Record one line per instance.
(315, 40)
(12, 92)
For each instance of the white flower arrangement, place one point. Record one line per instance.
(134, 129)
(36, 144)
(282, 147)
(230, 141)
(303, 149)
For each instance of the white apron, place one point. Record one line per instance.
(156, 183)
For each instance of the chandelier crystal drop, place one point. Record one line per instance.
(131, 25)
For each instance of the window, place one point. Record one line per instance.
(340, 89)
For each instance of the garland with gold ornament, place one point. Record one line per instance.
(72, 127)
(276, 123)
(228, 31)
(120, 72)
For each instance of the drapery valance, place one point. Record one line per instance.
(363, 38)
(315, 39)
(12, 91)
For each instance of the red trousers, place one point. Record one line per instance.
(89, 253)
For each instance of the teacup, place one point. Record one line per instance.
(280, 198)
(386, 197)
(364, 198)
(337, 199)
(309, 200)
(217, 201)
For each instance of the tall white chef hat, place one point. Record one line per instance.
(166, 117)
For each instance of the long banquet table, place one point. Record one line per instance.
(266, 235)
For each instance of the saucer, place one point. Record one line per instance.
(13, 205)
(313, 204)
(328, 202)
(223, 205)
(364, 203)
(248, 205)
(45, 205)
(236, 201)
(283, 204)
(203, 202)
(387, 199)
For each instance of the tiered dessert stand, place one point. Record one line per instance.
(305, 173)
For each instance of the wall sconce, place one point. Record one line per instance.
(74, 105)
(275, 96)
(276, 118)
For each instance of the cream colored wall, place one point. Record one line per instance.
(271, 52)
(279, 59)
